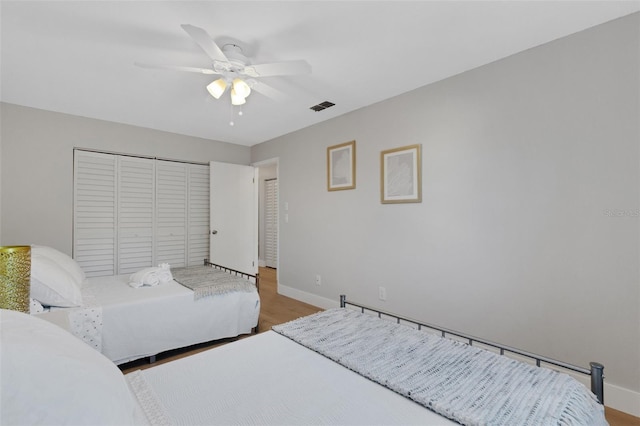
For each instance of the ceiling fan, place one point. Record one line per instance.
(235, 69)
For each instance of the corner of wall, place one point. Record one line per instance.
(303, 296)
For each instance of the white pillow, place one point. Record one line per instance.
(51, 285)
(63, 260)
(48, 376)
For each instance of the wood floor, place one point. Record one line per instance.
(277, 309)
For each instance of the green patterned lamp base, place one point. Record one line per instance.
(15, 277)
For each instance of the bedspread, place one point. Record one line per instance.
(85, 322)
(470, 385)
(229, 385)
(140, 322)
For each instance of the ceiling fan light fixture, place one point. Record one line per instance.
(217, 88)
(235, 69)
(236, 99)
(241, 87)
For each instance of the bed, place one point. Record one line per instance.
(314, 370)
(126, 322)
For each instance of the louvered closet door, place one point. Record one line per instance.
(171, 213)
(271, 223)
(132, 213)
(198, 225)
(95, 213)
(136, 205)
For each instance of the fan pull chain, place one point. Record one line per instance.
(240, 113)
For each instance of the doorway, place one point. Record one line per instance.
(271, 223)
(268, 214)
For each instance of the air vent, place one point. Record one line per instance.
(321, 106)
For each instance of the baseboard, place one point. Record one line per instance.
(311, 299)
(621, 399)
(615, 397)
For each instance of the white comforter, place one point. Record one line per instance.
(268, 379)
(139, 322)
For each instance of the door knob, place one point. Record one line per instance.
(214, 232)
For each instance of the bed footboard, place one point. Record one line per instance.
(255, 278)
(596, 370)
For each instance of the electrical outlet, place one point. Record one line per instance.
(382, 293)
(318, 280)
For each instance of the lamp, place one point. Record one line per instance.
(217, 88)
(241, 88)
(237, 99)
(15, 277)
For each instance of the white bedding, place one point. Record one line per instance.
(50, 377)
(140, 322)
(268, 379)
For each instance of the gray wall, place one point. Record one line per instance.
(37, 166)
(528, 229)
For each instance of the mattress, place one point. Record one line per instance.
(144, 321)
(268, 379)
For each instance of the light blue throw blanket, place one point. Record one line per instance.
(470, 385)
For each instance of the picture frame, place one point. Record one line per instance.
(341, 166)
(401, 175)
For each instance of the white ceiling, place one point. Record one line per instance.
(78, 57)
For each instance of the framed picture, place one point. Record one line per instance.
(401, 175)
(341, 166)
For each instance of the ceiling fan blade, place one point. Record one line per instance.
(207, 71)
(268, 91)
(206, 43)
(278, 68)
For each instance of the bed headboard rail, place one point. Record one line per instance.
(596, 370)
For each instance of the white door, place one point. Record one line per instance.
(271, 223)
(234, 216)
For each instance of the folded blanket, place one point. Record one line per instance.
(206, 281)
(465, 383)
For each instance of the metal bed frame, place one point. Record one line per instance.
(246, 275)
(596, 370)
